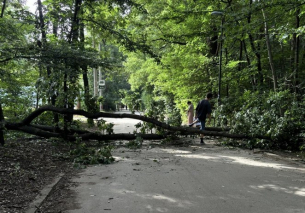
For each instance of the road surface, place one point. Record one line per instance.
(194, 179)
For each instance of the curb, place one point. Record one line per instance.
(34, 206)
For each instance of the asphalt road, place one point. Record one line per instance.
(189, 180)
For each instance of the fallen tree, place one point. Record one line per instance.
(71, 135)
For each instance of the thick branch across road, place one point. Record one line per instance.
(43, 109)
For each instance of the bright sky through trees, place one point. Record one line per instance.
(32, 5)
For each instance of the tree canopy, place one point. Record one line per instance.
(155, 56)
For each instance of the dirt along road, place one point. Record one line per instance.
(190, 179)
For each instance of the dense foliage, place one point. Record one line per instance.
(262, 67)
(169, 52)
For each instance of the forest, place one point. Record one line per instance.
(153, 56)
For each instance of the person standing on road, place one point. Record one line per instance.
(204, 110)
(190, 112)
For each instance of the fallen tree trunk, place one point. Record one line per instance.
(97, 115)
(89, 135)
(86, 135)
(47, 132)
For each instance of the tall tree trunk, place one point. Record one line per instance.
(89, 105)
(42, 24)
(240, 55)
(74, 33)
(249, 64)
(1, 111)
(274, 76)
(3, 8)
(226, 63)
(256, 52)
(65, 88)
(240, 64)
(246, 53)
(1, 126)
(55, 22)
(73, 38)
(85, 70)
(51, 99)
(54, 96)
(296, 53)
(244, 47)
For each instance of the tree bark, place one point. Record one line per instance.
(54, 96)
(80, 131)
(85, 69)
(274, 76)
(74, 34)
(244, 47)
(24, 125)
(256, 52)
(3, 8)
(240, 55)
(71, 78)
(296, 53)
(1, 126)
(42, 26)
(1, 111)
(66, 116)
(249, 64)
(84, 135)
(98, 136)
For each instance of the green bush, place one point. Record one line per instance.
(84, 155)
(275, 115)
(135, 144)
(104, 127)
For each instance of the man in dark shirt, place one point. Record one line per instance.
(203, 110)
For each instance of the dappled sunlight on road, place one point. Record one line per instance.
(158, 209)
(199, 156)
(118, 158)
(167, 200)
(176, 151)
(289, 190)
(239, 160)
(193, 179)
(251, 162)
